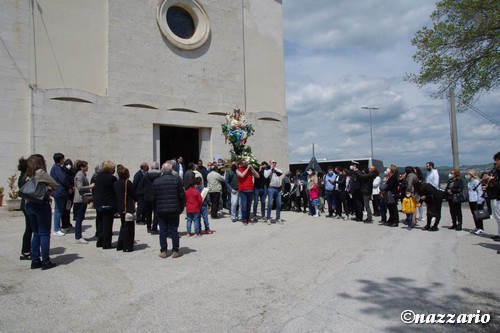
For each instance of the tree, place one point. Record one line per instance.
(461, 50)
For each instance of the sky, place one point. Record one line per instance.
(341, 55)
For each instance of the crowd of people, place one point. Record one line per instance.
(157, 197)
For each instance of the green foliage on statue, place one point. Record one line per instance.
(460, 50)
(236, 130)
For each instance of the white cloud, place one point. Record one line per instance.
(344, 54)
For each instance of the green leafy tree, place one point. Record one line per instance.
(461, 50)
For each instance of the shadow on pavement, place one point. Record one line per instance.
(390, 298)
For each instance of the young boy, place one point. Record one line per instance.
(193, 209)
(205, 202)
(409, 207)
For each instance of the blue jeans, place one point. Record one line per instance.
(80, 208)
(273, 194)
(259, 194)
(235, 203)
(204, 215)
(60, 204)
(409, 219)
(169, 225)
(193, 217)
(40, 215)
(246, 203)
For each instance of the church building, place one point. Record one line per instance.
(132, 81)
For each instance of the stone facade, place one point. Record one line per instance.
(99, 80)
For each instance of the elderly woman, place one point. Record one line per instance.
(454, 188)
(40, 213)
(105, 203)
(476, 199)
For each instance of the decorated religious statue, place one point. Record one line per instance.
(237, 126)
(236, 130)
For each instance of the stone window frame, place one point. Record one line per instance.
(200, 19)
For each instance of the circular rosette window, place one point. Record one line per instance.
(184, 23)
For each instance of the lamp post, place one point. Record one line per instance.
(371, 131)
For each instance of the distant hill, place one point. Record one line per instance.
(445, 170)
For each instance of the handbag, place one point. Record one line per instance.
(34, 191)
(87, 198)
(458, 198)
(389, 198)
(129, 217)
(481, 214)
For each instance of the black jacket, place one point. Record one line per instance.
(138, 183)
(367, 183)
(147, 184)
(119, 187)
(104, 193)
(169, 194)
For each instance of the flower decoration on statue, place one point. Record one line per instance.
(236, 130)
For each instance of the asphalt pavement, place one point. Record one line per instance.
(308, 275)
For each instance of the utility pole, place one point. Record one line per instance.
(453, 124)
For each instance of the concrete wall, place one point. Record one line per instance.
(105, 97)
(71, 41)
(15, 94)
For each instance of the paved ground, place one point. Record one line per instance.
(310, 275)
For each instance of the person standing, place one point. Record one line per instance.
(62, 192)
(70, 172)
(193, 209)
(232, 188)
(476, 199)
(260, 186)
(139, 191)
(245, 174)
(329, 181)
(376, 195)
(26, 245)
(125, 204)
(390, 193)
(454, 188)
(82, 187)
(105, 204)
(40, 213)
(355, 190)
(169, 201)
(198, 181)
(493, 188)
(273, 191)
(215, 181)
(367, 180)
(149, 207)
(341, 194)
(432, 175)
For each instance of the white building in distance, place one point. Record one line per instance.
(134, 81)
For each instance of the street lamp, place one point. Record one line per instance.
(371, 131)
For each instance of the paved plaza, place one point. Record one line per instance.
(308, 275)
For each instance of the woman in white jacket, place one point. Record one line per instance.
(476, 199)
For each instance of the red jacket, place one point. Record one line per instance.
(193, 200)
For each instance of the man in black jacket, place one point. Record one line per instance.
(139, 191)
(169, 201)
(149, 207)
(367, 179)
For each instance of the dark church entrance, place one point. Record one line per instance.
(179, 141)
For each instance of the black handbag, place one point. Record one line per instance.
(34, 191)
(458, 198)
(481, 214)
